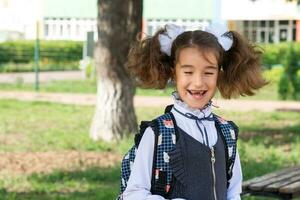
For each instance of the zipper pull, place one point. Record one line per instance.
(213, 159)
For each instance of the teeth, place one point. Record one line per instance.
(196, 92)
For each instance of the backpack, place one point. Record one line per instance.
(165, 131)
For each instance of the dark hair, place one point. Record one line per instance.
(240, 67)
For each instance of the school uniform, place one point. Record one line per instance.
(195, 177)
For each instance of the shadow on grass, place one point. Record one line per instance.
(91, 183)
(271, 136)
(253, 168)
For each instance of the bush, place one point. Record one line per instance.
(296, 85)
(274, 53)
(270, 56)
(290, 62)
(29, 67)
(284, 87)
(274, 74)
(54, 55)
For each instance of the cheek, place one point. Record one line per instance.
(213, 81)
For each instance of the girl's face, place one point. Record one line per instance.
(196, 76)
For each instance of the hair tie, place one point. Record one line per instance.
(221, 32)
(225, 38)
(166, 38)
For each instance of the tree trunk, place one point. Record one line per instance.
(118, 23)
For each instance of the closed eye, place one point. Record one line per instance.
(188, 72)
(209, 73)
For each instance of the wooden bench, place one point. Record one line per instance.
(283, 184)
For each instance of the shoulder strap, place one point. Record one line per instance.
(143, 126)
(165, 139)
(229, 134)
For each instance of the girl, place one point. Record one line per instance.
(199, 63)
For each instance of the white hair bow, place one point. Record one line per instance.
(224, 37)
(220, 31)
(166, 39)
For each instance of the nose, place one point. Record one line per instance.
(198, 80)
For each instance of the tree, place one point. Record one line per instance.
(292, 82)
(298, 1)
(118, 23)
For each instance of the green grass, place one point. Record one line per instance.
(37, 126)
(84, 87)
(62, 185)
(267, 141)
(269, 92)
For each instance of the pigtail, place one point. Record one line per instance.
(148, 65)
(241, 72)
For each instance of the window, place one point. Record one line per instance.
(294, 34)
(259, 31)
(283, 22)
(61, 30)
(77, 29)
(69, 30)
(282, 35)
(271, 37)
(46, 29)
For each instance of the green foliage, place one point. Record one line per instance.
(54, 55)
(270, 55)
(273, 75)
(295, 81)
(290, 61)
(274, 53)
(93, 183)
(283, 61)
(284, 87)
(43, 66)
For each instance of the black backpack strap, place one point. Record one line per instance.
(143, 126)
(165, 127)
(169, 108)
(153, 124)
(229, 134)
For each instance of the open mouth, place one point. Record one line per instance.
(197, 94)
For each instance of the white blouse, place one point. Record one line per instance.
(139, 183)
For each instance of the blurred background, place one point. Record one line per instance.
(48, 87)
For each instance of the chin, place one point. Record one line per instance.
(197, 106)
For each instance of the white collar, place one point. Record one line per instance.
(184, 108)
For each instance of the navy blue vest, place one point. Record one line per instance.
(193, 177)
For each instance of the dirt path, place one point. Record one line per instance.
(90, 99)
(46, 162)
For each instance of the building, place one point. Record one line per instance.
(186, 13)
(54, 19)
(67, 20)
(265, 21)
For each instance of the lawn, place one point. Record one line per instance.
(79, 86)
(269, 92)
(46, 152)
